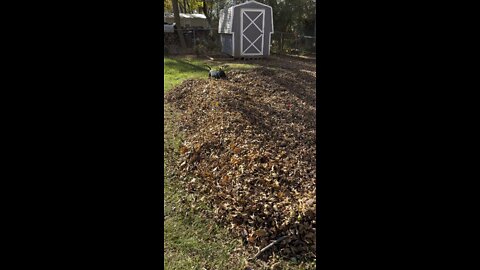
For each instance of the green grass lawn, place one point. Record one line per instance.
(178, 69)
(191, 241)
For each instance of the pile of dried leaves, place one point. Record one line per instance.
(249, 152)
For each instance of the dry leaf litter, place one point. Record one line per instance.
(249, 152)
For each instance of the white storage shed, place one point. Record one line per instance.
(245, 30)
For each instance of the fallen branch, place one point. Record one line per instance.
(269, 246)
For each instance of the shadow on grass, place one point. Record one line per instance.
(182, 66)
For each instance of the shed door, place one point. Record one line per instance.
(252, 22)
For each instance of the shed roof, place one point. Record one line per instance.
(252, 2)
(226, 16)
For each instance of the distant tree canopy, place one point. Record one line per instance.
(167, 6)
(185, 6)
(288, 15)
(293, 15)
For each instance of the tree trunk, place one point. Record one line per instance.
(281, 42)
(180, 7)
(205, 11)
(176, 15)
(185, 7)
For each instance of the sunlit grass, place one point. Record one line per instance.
(178, 69)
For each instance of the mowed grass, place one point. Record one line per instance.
(178, 69)
(193, 242)
(190, 240)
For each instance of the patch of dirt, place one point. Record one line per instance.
(248, 151)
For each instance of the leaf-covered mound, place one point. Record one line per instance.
(249, 152)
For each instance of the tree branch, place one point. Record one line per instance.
(269, 246)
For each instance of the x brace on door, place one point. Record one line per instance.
(251, 43)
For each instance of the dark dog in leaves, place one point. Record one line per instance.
(217, 74)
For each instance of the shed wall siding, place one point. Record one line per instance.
(225, 21)
(226, 40)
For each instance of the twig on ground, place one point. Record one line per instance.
(269, 246)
